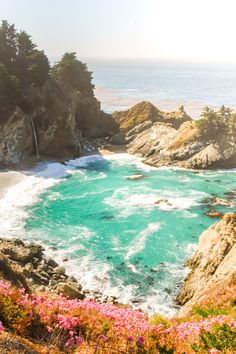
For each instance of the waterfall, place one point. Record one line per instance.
(35, 138)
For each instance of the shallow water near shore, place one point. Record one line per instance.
(120, 237)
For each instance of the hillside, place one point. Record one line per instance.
(45, 110)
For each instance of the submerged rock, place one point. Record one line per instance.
(135, 177)
(214, 214)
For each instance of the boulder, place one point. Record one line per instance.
(214, 214)
(71, 291)
(25, 265)
(135, 177)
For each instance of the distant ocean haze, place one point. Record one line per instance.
(121, 84)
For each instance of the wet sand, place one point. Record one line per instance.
(112, 149)
(9, 179)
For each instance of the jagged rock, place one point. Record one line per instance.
(70, 291)
(21, 254)
(139, 117)
(52, 121)
(59, 270)
(117, 139)
(162, 201)
(214, 201)
(51, 262)
(214, 214)
(174, 139)
(135, 177)
(25, 265)
(213, 266)
(16, 140)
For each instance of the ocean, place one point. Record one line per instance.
(121, 84)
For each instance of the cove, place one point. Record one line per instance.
(127, 238)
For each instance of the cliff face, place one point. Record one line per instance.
(61, 118)
(174, 139)
(16, 139)
(212, 276)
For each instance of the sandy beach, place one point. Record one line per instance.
(8, 179)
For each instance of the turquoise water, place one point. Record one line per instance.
(116, 239)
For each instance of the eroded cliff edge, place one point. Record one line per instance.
(62, 119)
(174, 139)
(212, 275)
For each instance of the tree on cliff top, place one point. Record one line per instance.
(21, 58)
(9, 87)
(69, 70)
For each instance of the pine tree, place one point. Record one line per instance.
(8, 45)
(9, 87)
(69, 70)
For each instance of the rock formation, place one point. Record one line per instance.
(62, 117)
(174, 139)
(212, 276)
(25, 265)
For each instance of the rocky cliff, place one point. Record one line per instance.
(174, 139)
(53, 120)
(212, 275)
(25, 265)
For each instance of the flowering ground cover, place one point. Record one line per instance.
(75, 326)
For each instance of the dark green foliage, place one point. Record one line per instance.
(25, 46)
(21, 58)
(9, 87)
(70, 71)
(8, 45)
(38, 67)
(216, 121)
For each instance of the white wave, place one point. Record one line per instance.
(13, 205)
(125, 158)
(138, 243)
(85, 160)
(126, 199)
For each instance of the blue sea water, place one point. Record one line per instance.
(120, 84)
(114, 236)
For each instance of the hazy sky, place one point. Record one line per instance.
(190, 30)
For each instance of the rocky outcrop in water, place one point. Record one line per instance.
(212, 276)
(25, 265)
(174, 139)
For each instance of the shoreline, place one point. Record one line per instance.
(11, 175)
(10, 178)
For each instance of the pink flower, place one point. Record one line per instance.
(78, 340)
(140, 341)
(102, 338)
(1, 327)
